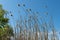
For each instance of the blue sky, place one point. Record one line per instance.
(53, 8)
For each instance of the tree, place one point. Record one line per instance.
(5, 29)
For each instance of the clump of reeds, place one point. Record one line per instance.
(33, 27)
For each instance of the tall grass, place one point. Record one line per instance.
(34, 27)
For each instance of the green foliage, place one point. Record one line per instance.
(9, 30)
(5, 29)
(0, 6)
(5, 20)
